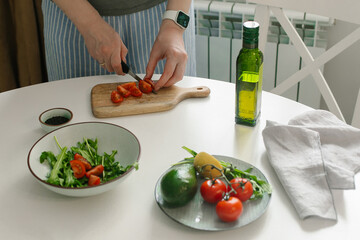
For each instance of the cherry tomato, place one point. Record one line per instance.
(124, 92)
(135, 92)
(93, 180)
(116, 97)
(128, 85)
(213, 191)
(78, 168)
(145, 87)
(83, 160)
(229, 210)
(95, 171)
(151, 82)
(244, 189)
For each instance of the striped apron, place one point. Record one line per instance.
(67, 56)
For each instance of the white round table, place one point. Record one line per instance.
(29, 211)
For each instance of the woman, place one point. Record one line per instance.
(84, 38)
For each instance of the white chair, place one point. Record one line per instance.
(356, 117)
(345, 10)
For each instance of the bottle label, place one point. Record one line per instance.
(252, 77)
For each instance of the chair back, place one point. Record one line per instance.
(345, 10)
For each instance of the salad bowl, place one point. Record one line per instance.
(110, 137)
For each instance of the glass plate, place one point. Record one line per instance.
(201, 215)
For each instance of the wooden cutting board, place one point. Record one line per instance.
(165, 99)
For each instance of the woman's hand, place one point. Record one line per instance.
(168, 45)
(105, 45)
(102, 41)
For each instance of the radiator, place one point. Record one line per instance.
(219, 40)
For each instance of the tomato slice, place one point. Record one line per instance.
(78, 168)
(93, 180)
(124, 92)
(145, 87)
(135, 92)
(229, 210)
(83, 160)
(95, 171)
(116, 97)
(128, 85)
(244, 189)
(149, 81)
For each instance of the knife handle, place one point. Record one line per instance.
(125, 67)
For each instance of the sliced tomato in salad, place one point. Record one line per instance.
(94, 180)
(83, 160)
(95, 171)
(78, 168)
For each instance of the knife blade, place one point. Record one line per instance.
(127, 70)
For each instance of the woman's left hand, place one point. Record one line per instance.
(168, 45)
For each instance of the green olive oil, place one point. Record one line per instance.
(249, 71)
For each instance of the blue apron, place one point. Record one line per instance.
(67, 56)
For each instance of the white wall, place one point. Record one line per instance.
(343, 71)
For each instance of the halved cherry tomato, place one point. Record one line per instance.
(95, 171)
(244, 189)
(116, 97)
(93, 180)
(229, 210)
(151, 82)
(124, 92)
(128, 85)
(213, 191)
(145, 87)
(83, 160)
(78, 168)
(135, 92)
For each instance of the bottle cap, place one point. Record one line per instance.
(251, 30)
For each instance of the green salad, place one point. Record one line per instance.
(81, 165)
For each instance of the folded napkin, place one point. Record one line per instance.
(314, 153)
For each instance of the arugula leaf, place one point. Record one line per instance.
(54, 177)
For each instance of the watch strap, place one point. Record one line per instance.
(174, 15)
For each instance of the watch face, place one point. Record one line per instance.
(183, 19)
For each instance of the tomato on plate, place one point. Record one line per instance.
(95, 171)
(229, 210)
(244, 189)
(135, 91)
(128, 85)
(93, 180)
(124, 92)
(213, 190)
(78, 168)
(83, 160)
(145, 87)
(116, 97)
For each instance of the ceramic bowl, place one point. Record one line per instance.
(110, 137)
(54, 118)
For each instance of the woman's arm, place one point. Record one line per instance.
(102, 41)
(169, 45)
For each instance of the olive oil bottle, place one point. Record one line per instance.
(249, 71)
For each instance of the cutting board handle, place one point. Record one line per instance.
(195, 92)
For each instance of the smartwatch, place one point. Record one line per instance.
(179, 17)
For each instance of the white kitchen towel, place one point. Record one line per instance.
(316, 152)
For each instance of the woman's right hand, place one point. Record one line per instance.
(102, 41)
(105, 45)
